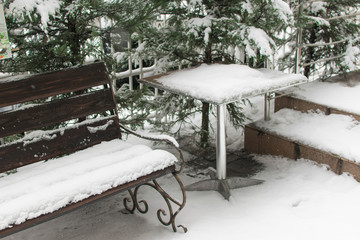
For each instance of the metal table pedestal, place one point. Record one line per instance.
(218, 181)
(223, 186)
(262, 81)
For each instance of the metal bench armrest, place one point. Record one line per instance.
(159, 138)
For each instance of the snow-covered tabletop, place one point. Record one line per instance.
(223, 83)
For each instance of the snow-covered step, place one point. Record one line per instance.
(329, 97)
(302, 105)
(326, 139)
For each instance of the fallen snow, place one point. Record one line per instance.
(45, 187)
(219, 83)
(333, 94)
(298, 200)
(324, 132)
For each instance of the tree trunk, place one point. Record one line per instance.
(204, 135)
(310, 53)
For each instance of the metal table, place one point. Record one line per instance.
(173, 82)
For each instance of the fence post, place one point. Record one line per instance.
(141, 75)
(298, 42)
(298, 51)
(131, 82)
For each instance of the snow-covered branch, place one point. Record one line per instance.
(318, 20)
(343, 16)
(325, 44)
(324, 60)
(134, 72)
(303, 4)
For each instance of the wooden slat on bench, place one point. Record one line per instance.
(49, 84)
(73, 206)
(55, 112)
(57, 143)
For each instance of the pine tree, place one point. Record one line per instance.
(214, 31)
(330, 36)
(52, 35)
(56, 34)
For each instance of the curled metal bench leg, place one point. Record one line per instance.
(132, 203)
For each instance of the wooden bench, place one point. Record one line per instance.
(52, 170)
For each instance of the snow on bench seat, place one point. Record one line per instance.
(44, 187)
(324, 132)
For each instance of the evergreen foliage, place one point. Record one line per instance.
(321, 23)
(52, 35)
(213, 31)
(191, 32)
(218, 31)
(56, 34)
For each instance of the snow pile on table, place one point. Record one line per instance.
(220, 83)
(332, 94)
(42, 188)
(325, 132)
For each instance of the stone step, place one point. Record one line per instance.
(292, 102)
(264, 141)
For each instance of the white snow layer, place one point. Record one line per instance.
(298, 200)
(318, 6)
(318, 20)
(351, 57)
(164, 138)
(333, 94)
(283, 9)
(199, 22)
(324, 132)
(247, 6)
(42, 188)
(262, 41)
(44, 8)
(219, 83)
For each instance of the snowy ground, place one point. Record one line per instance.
(298, 200)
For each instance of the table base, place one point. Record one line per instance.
(223, 186)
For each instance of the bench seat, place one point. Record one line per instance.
(60, 149)
(47, 186)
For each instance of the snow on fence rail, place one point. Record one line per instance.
(131, 72)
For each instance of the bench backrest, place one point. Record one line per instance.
(61, 97)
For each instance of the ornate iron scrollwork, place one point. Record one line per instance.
(132, 203)
(143, 207)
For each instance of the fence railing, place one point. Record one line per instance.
(299, 41)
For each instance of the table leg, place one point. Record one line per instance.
(267, 107)
(220, 142)
(218, 180)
